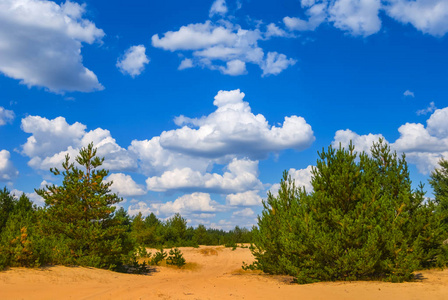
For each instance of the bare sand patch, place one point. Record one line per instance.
(211, 277)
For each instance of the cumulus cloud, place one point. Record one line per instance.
(301, 177)
(241, 175)
(35, 198)
(359, 17)
(7, 169)
(423, 146)
(41, 41)
(185, 64)
(219, 7)
(249, 198)
(275, 63)
(428, 16)
(6, 116)
(316, 12)
(139, 207)
(362, 143)
(225, 47)
(124, 185)
(234, 129)
(195, 202)
(247, 212)
(133, 61)
(51, 140)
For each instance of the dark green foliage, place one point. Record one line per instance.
(362, 221)
(439, 183)
(80, 212)
(176, 258)
(158, 257)
(6, 206)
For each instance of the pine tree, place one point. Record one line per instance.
(362, 221)
(80, 212)
(439, 183)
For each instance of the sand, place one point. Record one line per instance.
(211, 273)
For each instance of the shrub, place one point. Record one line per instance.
(176, 258)
(362, 221)
(158, 257)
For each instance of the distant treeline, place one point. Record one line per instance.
(152, 232)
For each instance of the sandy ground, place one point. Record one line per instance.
(211, 273)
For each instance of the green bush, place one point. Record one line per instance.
(158, 257)
(362, 221)
(176, 258)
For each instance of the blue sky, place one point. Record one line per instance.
(199, 106)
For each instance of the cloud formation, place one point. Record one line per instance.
(124, 185)
(7, 169)
(423, 146)
(133, 61)
(224, 46)
(6, 116)
(362, 17)
(41, 44)
(51, 140)
(234, 129)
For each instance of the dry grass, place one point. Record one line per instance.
(209, 251)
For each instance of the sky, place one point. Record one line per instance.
(199, 106)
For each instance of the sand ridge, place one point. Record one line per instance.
(211, 273)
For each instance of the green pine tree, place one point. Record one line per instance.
(80, 212)
(362, 221)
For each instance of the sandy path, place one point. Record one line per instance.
(213, 275)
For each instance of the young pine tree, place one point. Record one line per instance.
(80, 212)
(362, 221)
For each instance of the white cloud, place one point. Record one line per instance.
(423, 146)
(428, 16)
(234, 68)
(6, 116)
(40, 44)
(134, 60)
(249, 198)
(273, 30)
(195, 202)
(215, 44)
(247, 212)
(124, 185)
(185, 64)
(301, 177)
(359, 17)
(140, 207)
(361, 142)
(316, 12)
(275, 63)
(7, 169)
(409, 93)
(234, 130)
(35, 198)
(241, 175)
(219, 7)
(51, 140)
(195, 37)
(432, 107)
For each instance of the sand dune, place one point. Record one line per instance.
(212, 273)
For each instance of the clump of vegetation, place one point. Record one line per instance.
(158, 257)
(176, 258)
(77, 226)
(362, 221)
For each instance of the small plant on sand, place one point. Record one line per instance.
(158, 257)
(176, 258)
